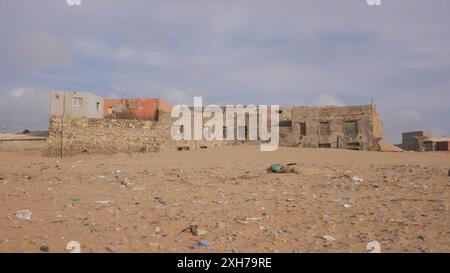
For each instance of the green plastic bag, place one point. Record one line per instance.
(276, 168)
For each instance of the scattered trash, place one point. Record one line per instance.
(157, 231)
(328, 240)
(354, 178)
(24, 214)
(194, 230)
(448, 172)
(118, 173)
(279, 168)
(75, 199)
(101, 177)
(105, 202)
(374, 247)
(73, 247)
(346, 206)
(2, 178)
(220, 225)
(202, 243)
(28, 177)
(44, 248)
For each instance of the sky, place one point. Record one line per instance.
(311, 52)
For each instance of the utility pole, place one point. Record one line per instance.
(62, 125)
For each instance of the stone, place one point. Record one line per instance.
(44, 248)
(202, 243)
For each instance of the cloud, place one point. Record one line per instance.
(325, 100)
(42, 49)
(24, 108)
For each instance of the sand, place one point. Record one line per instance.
(402, 201)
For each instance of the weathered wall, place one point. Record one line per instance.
(83, 135)
(413, 141)
(61, 103)
(368, 125)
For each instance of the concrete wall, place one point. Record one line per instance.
(62, 103)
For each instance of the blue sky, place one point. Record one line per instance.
(312, 52)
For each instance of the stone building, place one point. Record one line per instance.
(342, 127)
(346, 127)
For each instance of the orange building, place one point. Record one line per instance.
(144, 109)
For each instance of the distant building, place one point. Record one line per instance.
(75, 104)
(143, 109)
(343, 127)
(421, 141)
(413, 141)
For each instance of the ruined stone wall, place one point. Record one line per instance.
(108, 136)
(105, 136)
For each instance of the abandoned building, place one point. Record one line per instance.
(424, 141)
(341, 127)
(82, 122)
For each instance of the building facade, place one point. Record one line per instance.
(75, 104)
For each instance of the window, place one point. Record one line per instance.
(325, 145)
(285, 123)
(302, 128)
(224, 132)
(98, 105)
(351, 128)
(77, 102)
(354, 146)
(324, 128)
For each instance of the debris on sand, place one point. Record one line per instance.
(194, 230)
(118, 173)
(129, 185)
(24, 214)
(44, 248)
(202, 243)
(328, 240)
(374, 247)
(448, 172)
(104, 202)
(73, 247)
(280, 168)
(354, 178)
